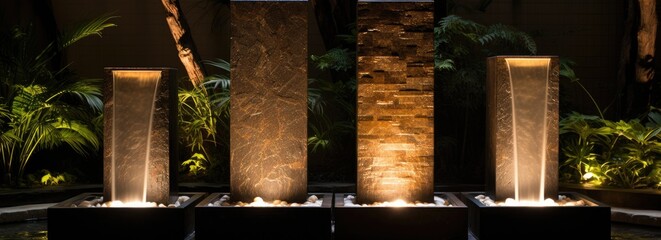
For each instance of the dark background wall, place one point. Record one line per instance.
(142, 36)
(589, 32)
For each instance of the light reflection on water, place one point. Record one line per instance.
(37, 230)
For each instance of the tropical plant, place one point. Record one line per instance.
(204, 121)
(49, 178)
(40, 107)
(332, 112)
(462, 47)
(621, 153)
(331, 102)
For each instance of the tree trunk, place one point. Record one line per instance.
(636, 72)
(646, 37)
(184, 42)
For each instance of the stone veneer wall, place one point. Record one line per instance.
(268, 133)
(395, 121)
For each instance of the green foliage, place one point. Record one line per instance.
(616, 153)
(48, 178)
(204, 120)
(337, 59)
(40, 107)
(462, 47)
(331, 102)
(196, 165)
(85, 29)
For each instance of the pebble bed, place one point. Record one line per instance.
(224, 201)
(98, 202)
(350, 201)
(563, 200)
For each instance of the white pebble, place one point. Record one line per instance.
(313, 198)
(183, 199)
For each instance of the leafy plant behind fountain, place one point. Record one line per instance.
(204, 125)
(332, 113)
(624, 154)
(462, 47)
(42, 107)
(602, 152)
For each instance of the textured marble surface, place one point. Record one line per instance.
(140, 133)
(268, 133)
(522, 127)
(395, 101)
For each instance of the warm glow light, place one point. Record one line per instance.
(349, 201)
(398, 203)
(511, 202)
(130, 204)
(312, 201)
(588, 175)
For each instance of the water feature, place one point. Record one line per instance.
(268, 58)
(134, 94)
(522, 158)
(268, 133)
(522, 128)
(395, 107)
(139, 165)
(395, 196)
(140, 135)
(529, 89)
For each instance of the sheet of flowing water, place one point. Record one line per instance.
(528, 81)
(134, 94)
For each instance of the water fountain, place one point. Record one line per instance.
(521, 198)
(268, 134)
(395, 196)
(140, 165)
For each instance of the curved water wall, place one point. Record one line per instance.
(137, 128)
(522, 131)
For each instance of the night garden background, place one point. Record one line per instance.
(52, 55)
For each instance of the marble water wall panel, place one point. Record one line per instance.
(395, 101)
(268, 133)
(507, 173)
(133, 136)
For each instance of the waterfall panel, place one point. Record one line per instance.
(140, 112)
(522, 127)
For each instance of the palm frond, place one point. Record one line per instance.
(88, 28)
(218, 63)
(76, 135)
(87, 90)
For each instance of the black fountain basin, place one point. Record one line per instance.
(376, 222)
(68, 222)
(287, 222)
(532, 222)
